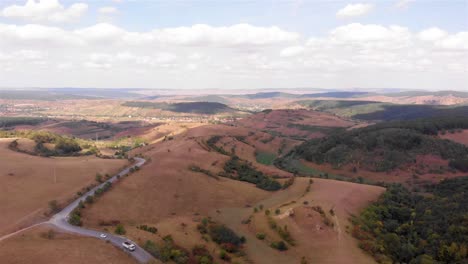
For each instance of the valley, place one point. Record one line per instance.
(219, 184)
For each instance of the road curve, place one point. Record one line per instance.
(60, 220)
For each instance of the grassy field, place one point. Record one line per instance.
(29, 183)
(265, 158)
(315, 241)
(38, 246)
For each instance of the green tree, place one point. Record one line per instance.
(120, 230)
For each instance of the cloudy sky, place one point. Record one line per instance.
(416, 44)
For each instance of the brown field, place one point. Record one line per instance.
(283, 121)
(32, 246)
(28, 183)
(166, 187)
(315, 241)
(459, 137)
(165, 194)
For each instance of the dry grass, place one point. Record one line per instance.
(459, 137)
(32, 247)
(283, 121)
(166, 187)
(28, 183)
(316, 241)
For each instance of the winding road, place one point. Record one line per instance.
(60, 220)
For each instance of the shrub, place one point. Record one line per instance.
(224, 255)
(460, 164)
(54, 207)
(261, 236)
(120, 230)
(99, 177)
(280, 245)
(285, 235)
(89, 199)
(75, 217)
(150, 229)
(222, 234)
(202, 255)
(66, 146)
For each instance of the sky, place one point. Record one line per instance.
(175, 44)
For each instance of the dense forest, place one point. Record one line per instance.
(404, 227)
(386, 146)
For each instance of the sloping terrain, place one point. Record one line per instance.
(408, 151)
(297, 124)
(29, 183)
(44, 245)
(209, 108)
(179, 191)
(168, 195)
(313, 239)
(383, 111)
(427, 228)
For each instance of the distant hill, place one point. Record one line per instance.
(335, 94)
(39, 95)
(385, 146)
(8, 121)
(378, 111)
(209, 108)
(407, 112)
(93, 92)
(267, 95)
(208, 98)
(428, 93)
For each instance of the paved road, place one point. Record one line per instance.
(60, 220)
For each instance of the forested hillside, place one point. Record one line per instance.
(403, 227)
(387, 146)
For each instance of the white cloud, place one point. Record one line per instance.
(196, 56)
(457, 41)
(103, 33)
(432, 34)
(232, 56)
(108, 10)
(371, 34)
(403, 4)
(292, 51)
(45, 11)
(239, 34)
(354, 10)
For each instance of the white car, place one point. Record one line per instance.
(128, 245)
(102, 235)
